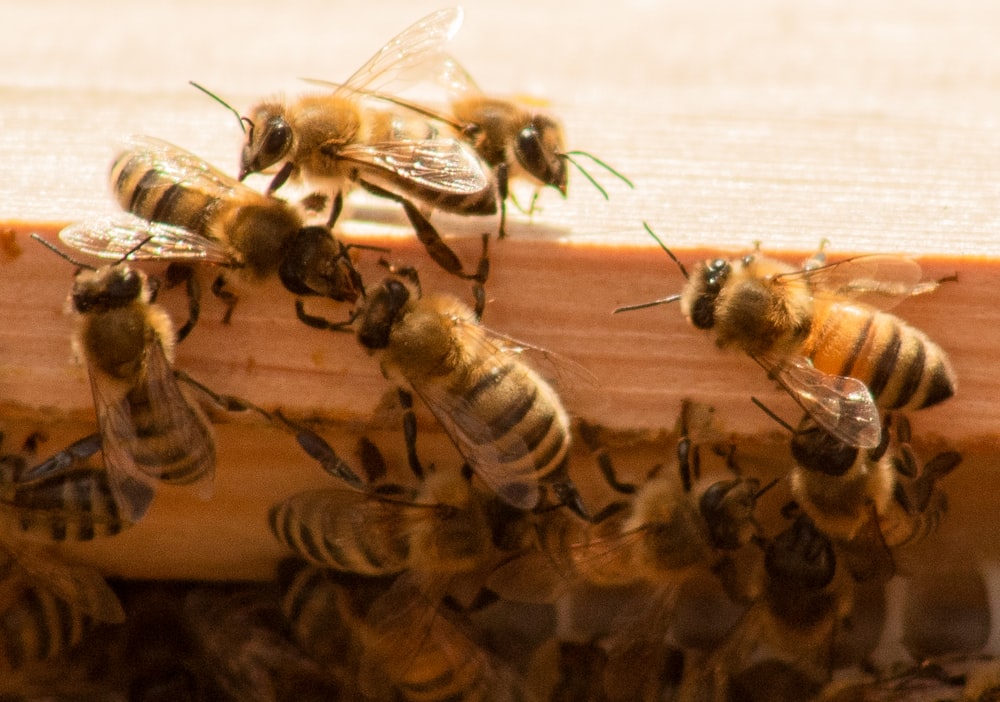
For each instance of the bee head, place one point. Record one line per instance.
(107, 288)
(314, 263)
(706, 284)
(538, 149)
(801, 557)
(383, 308)
(268, 139)
(818, 450)
(728, 506)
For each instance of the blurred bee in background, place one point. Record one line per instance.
(793, 621)
(149, 429)
(428, 651)
(242, 638)
(194, 213)
(72, 501)
(867, 501)
(813, 331)
(47, 606)
(505, 420)
(344, 137)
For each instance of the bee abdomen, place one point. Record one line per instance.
(157, 451)
(900, 364)
(521, 419)
(76, 506)
(37, 626)
(147, 192)
(302, 527)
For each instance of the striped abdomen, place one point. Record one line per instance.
(357, 537)
(317, 610)
(901, 366)
(76, 505)
(144, 189)
(512, 428)
(36, 626)
(173, 441)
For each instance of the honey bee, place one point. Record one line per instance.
(506, 421)
(429, 652)
(46, 606)
(194, 213)
(72, 501)
(810, 328)
(793, 621)
(344, 137)
(241, 638)
(439, 532)
(515, 138)
(149, 429)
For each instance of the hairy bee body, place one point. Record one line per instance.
(149, 429)
(842, 359)
(506, 421)
(153, 180)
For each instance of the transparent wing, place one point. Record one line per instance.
(882, 281)
(80, 586)
(408, 54)
(842, 405)
(132, 489)
(183, 428)
(182, 167)
(442, 165)
(116, 235)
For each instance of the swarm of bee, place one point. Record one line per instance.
(688, 579)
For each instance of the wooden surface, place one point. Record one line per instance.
(872, 126)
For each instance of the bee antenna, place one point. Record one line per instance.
(756, 495)
(770, 413)
(644, 305)
(568, 155)
(134, 249)
(62, 254)
(244, 121)
(664, 300)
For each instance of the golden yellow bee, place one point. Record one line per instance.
(506, 421)
(193, 213)
(150, 431)
(813, 331)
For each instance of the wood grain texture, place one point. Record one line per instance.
(873, 127)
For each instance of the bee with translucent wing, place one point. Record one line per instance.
(814, 332)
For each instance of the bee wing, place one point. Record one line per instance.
(407, 55)
(473, 437)
(114, 236)
(882, 281)
(132, 489)
(183, 422)
(81, 586)
(443, 165)
(182, 167)
(842, 405)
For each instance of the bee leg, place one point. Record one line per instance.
(503, 186)
(318, 322)
(335, 209)
(79, 450)
(318, 449)
(228, 298)
(280, 177)
(588, 434)
(410, 433)
(178, 273)
(372, 460)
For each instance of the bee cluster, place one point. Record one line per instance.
(676, 581)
